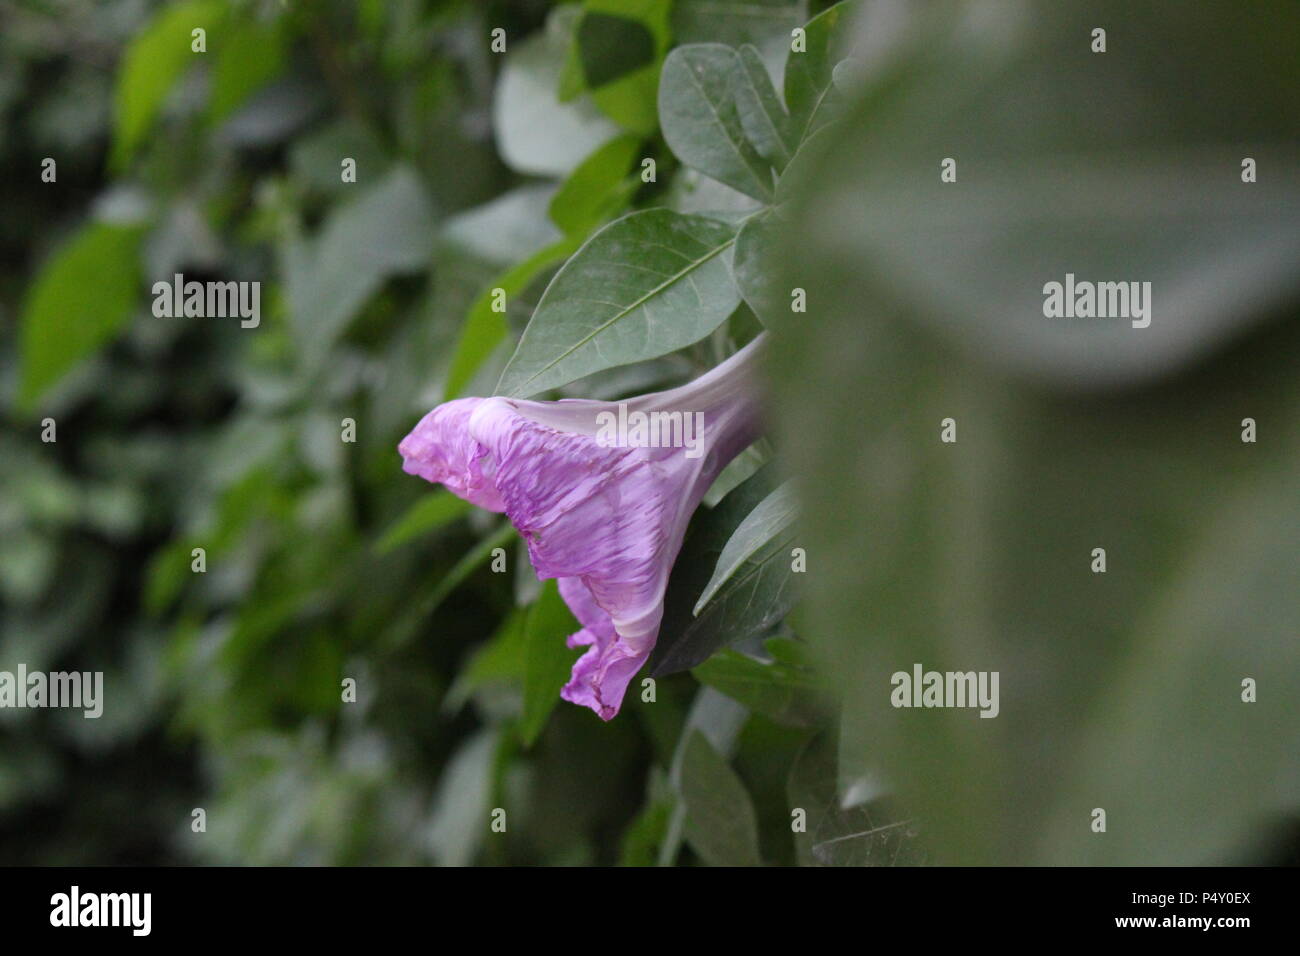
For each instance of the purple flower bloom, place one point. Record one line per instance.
(601, 492)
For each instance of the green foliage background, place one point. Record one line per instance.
(478, 171)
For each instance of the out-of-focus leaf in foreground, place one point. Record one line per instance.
(1119, 690)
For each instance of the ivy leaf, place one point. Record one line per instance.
(701, 121)
(81, 298)
(548, 661)
(645, 285)
(763, 526)
(720, 823)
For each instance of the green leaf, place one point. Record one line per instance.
(701, 121)
(645, 285)
(1121, 689)
(762, 116)
(501, 659)
(484, 328)
(250, 56)
(811, 96)
(83, 295)
(762, 527)
(764, 23)
(782, 689)
(645, 834)
(597, 188)
(428, 514)
(548, 660)
(756, 269)
(152, 63)
(752, 602)
(620, 46)
(720, 824)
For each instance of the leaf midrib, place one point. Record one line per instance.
(623, 313)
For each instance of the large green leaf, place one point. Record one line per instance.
(645, 285)
(701, 120)
(720, 824)
(547, 659)
(81, 298)
(154, 61)
(1119, 690)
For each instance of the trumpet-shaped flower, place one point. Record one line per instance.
(601, 492)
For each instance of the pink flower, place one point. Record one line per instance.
(601, 492)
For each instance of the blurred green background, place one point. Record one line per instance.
(477, 170)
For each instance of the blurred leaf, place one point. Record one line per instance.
(461, 810)
(249, 56)
(83, 295)
(548, 660)
(768, 521)
(609, 304)
(840, 833)
(387, 229)
(701, 121)
(1120, 689)
(428, 514)
(620, 45)
(597, 188)
(720, 822)
(153, 62)
(468, 564)
(484, 329)
(735, 22)
(781, 689)
(501, 658)
(535, 132)
(645, 834)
